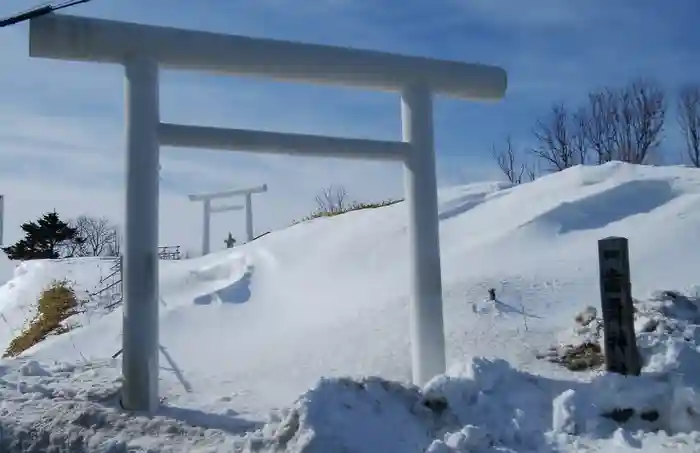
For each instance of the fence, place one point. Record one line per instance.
(110, 286)
(109, 291)
(169, 252)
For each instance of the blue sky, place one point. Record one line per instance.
(65, 119)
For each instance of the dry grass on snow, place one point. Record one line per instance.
(56, 304)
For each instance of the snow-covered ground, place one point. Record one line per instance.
(26, 280)
(315, 309)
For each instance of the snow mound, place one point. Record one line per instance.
(613, 204)
(496, 405)
(668, 326)
(359, 416)
(480, 406)
(223, 277)
(664, 397)
(644, 403)
(484, 405)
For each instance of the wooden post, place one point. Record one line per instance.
(621, 353)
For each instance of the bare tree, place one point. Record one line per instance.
(641, 113)
(507, 161)
(331, 200)
(599, 125)
(579, 143)
(559, 139)
(100, 236)
(624, 124)
(689, 120)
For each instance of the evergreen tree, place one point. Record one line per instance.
(43, 239)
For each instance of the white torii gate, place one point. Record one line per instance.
(247, 193)
(142, 49)
(207, 211)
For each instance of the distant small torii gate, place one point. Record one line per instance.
(207, 211)
(246, 192)
(141, 49)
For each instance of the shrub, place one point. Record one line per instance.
(354, 206)
(56, 304)
(47, 238)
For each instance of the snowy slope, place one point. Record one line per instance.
(246, 331)
(26, 281)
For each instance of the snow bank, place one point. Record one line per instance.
(664, 397)
(76, 409)
(484, 406)
(360, 416)
(496, 406)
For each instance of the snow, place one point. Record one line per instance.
(276, 345)
(18, 296)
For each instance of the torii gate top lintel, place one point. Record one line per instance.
(76, 38)
(228, 193)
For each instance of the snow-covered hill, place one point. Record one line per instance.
(245, 332)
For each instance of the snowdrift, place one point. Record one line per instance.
(244, 332)
(19, 296)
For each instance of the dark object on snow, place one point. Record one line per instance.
(624, 415)
(649, 416)
(436, 404)
(619, 415)
(492, 294)
(621, 353)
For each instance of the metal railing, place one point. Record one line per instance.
(169, 252)
(110, 288)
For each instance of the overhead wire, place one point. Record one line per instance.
(38, 11)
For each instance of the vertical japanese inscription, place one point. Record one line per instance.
(621, 353)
